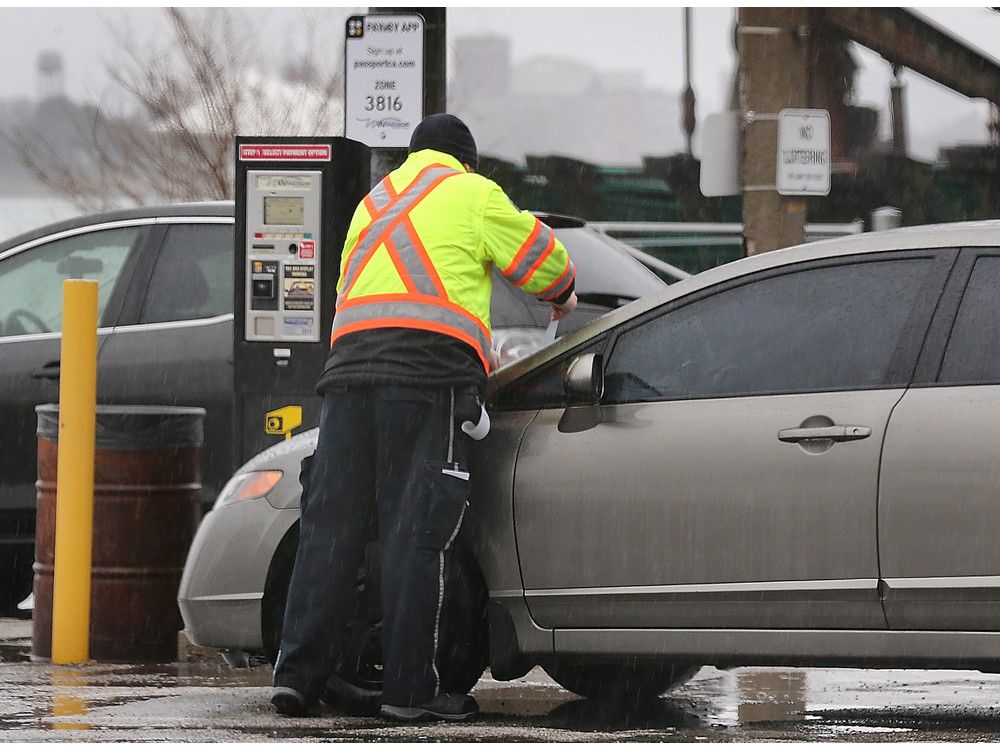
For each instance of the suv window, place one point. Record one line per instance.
(973, 353)
(193, 277)
(31, 281)
(828, 328)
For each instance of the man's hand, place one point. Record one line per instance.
(561, 311)
(494, 359)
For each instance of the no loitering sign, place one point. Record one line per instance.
(803, 152)
(383, 78)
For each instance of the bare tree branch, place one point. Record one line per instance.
(170, 135)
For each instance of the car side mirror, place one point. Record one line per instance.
(584, 383)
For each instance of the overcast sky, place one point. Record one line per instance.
(648, 40)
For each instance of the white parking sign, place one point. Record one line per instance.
(383, 79)
(803, 152)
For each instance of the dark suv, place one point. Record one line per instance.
(166, 329)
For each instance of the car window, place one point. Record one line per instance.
(193, 277)
(973, 353)
(31, 281)
(544, 388)
(829, 328)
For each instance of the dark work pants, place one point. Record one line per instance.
(382, 451)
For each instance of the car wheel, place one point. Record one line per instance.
(628, 683)
(462, 638)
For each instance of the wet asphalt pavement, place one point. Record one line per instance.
(208, 701)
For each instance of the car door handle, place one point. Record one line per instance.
(838, 433)
(50, 371)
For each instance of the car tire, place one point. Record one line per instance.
(628, 683)
(462, 638)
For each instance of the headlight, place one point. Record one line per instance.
(517, 343)
(248, 486)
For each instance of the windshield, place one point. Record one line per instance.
(606, 276)
(603, 268)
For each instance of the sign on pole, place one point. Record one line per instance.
(383, 78)
(803, 152)
(720, 160)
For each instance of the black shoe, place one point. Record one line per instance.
(290, 702)
(447, 706)
(345, 698)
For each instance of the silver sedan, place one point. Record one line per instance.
(791, 459)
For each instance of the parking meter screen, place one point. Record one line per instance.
(285, 210)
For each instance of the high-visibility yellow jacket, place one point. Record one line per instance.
(421, 247)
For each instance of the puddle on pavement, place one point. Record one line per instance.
(15, 651)
(770, 697)
(941, 717)
(753, 700)
(842, 729)
(549, 706)
(593, 715)
(67, 706)
(180, 674)
(16, 720)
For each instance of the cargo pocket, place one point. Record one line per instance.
(443, 498)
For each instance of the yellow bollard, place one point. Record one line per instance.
(75, 474)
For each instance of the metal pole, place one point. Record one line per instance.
(75, 474)
(687, 98)
(886, 217)
(384, 160)
(435, 59)
(897, 91)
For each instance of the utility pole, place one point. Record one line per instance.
(774, 57)
(384, 160)
(687, 99)
(435, 58)
(897, 91)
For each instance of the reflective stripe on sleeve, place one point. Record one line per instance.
(532, 254)
(560, 285)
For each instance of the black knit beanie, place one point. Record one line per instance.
(444, 132)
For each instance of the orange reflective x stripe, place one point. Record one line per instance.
(378, 200)
(391, 227)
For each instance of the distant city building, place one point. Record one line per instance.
(51, 76)
(555, 105)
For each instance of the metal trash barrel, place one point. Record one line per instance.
(147, 504)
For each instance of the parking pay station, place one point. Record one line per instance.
(294, 201)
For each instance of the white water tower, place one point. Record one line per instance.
(51, 76)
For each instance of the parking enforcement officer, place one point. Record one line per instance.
(410, 343)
